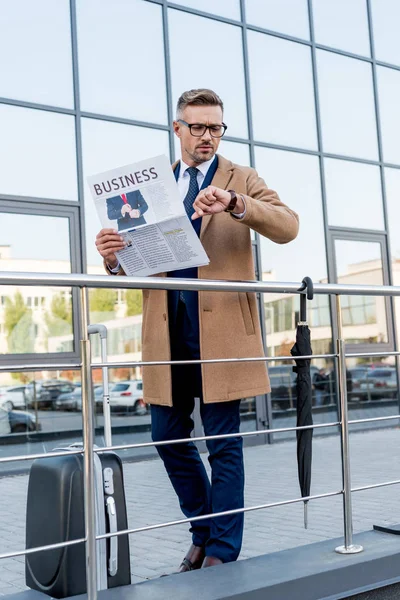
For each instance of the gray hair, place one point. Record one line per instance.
(200, 97)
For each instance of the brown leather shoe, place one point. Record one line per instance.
(193, 559)
(211, 561)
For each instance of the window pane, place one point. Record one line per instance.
(389, 102)
(282, 92)
(228, 8)
(35, 319)
(287, 173)
(37, 153)
(226, 49)
(342, 24)
(364, 317)
(237, 153)
(285, 16)
(392, 180)
(112, 36)
(347, 106)
(106, 146)
(386, 19)
(354, 194)
(35, 46)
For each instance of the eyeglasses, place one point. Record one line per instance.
(198, 129)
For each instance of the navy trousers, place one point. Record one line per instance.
(222, 536)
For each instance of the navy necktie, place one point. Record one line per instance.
(192, 191)
(188, 203)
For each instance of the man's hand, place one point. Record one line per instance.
(109, 241)
(135, 213)
(213, 200)
(125, 209)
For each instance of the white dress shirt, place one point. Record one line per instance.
(184, 180)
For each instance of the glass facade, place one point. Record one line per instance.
(311, 90)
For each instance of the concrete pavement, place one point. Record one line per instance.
(271, 475)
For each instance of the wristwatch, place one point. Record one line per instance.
(233, 201)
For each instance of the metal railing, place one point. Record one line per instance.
(87, 281)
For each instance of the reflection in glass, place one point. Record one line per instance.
(35, 46)
(347, 106)
(296, 178)
(228, 8)
(342, 24)
(364, 317)
(226, 49)
(285, 16)
(386, 19)
(389, 101)
(282, 91)
(37, 153)
(354, 194)
(125, 144)
(111, 38)
(372, 389)
(35, 319)
(392, 181)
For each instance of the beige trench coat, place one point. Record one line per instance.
(229, 321)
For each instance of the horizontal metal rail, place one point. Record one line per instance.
(372, 419)
(39, 455)
(225, 513)
(373, 486)
(41, 367)
(42, 548)
(170, 283)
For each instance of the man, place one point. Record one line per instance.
(224, 202)
(320, 382)
(128, 209)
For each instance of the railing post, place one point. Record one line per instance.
(88, 458)
(349, 547)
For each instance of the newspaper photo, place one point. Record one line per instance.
(142, 202)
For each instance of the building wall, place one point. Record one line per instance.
(311, 91)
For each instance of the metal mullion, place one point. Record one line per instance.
(329, 266)
(381, 63)
(200, 13)
(365, 161)
(168, 80)
(343, 53)
(50, 201)
(286, 148)
(37, 106)
(123, 120)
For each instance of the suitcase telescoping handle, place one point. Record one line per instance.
(102, 331)
(112, 520)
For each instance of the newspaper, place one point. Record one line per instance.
(142, 202)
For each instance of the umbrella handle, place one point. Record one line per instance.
(309, 295)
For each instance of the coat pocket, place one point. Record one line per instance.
(246, 313)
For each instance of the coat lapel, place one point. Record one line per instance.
(221, 179)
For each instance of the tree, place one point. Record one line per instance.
(134, 302)
(59, 321)
(102, 300)
(19, 325)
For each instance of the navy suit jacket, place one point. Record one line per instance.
(136, 201)
(191, 326)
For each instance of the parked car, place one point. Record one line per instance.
(17, 421)
(12, 397)
(357, 375)
(73, 400)
(283, 386)
(379, 384)
(128, 396)
(51, 390)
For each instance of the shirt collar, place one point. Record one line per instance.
(202, 167)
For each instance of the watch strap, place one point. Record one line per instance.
(233, 201)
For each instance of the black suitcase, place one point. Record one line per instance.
(55, 513)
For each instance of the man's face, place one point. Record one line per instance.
(196, 150)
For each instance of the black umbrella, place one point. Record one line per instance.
(302, 347)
